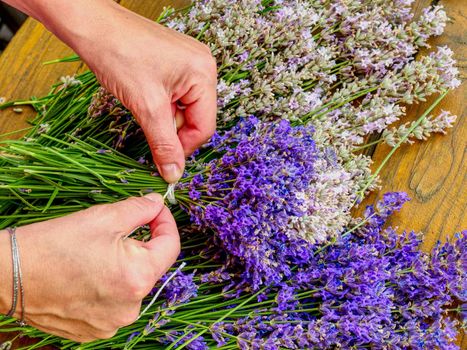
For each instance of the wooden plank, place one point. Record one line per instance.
(22, 73)
(433, 173)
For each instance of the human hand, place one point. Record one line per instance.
(82, 281)
(147, 66)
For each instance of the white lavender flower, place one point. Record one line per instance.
(428, 126)
(327, 202)
(69, 80)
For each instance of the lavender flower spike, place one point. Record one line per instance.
(251, 191)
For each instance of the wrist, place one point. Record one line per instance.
(6, 273)
(77, 23)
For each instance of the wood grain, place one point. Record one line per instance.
(23, 74)
(433, 172)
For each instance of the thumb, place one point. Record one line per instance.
(164, 247)
(161, 133)
(130, 213)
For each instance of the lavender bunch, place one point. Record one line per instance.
(250, 194)
(346, 69)
(254, 163)
(254, 187)
(372, 288)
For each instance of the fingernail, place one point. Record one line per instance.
(155, 197)
(171, 172)
(179, 118)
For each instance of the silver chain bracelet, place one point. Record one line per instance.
(18, 289)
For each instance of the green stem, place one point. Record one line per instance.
(361, 193)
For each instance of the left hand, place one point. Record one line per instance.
(82, 281)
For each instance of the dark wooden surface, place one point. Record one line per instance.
(433, 173)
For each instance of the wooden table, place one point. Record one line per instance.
(433, 173)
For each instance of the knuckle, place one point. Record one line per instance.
(206, 132)
(155, 197)
(139, 285)
(210, 130)
(212, 65)
(209, 67)
(161, 270)
(128, 318)
(149, 104)
(147, 110)
(138, 291)
(163, 149)
(206, 48)
(206, 65)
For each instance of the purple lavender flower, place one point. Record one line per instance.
(391, 202)
(132, 336)
(180, 289)
(181, 337)
(372, 288)
(251, 191)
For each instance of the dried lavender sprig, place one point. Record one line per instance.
(375, 174)
(427, 126)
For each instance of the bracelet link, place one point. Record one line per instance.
(18, 289)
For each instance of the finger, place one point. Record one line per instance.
(166, 149)
(200, 116)
(164, 247)
(179, 118)
(120, 217)
(125, 216)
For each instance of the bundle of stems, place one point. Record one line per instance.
(49, 177)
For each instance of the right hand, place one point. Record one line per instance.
(82, 281)
(148, 67)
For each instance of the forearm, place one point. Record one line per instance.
(6, 273)
(78, 23)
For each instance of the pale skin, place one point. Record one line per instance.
(82, 280)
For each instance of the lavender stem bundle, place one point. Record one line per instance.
(371, 288)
